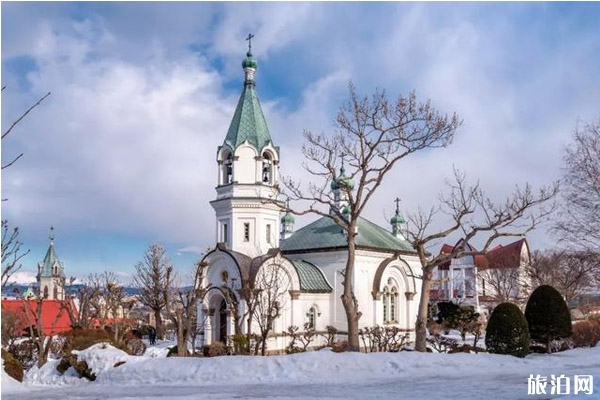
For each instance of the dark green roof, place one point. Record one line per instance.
(49, 260)
(324, 234)
(248, 123)
(311, 278)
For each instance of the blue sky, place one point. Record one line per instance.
(122, 153)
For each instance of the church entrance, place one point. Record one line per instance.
(223, 322)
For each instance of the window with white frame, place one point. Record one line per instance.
(312, 318)
(386, 304)
(390, 302)
(246, 231)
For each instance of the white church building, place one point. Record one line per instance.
(256, 242)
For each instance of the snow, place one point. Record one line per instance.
(101, 357)
(321, 374)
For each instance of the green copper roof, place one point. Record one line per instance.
(324, 234)
(342, 180)
(249, 61)
(49, 260)
(287, 218)
(311, 278)
(397, 219)
(248, 123)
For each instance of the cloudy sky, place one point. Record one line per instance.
(122, 154)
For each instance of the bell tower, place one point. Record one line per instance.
(51, 273)
(247, 206)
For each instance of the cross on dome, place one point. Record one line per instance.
(249, 40)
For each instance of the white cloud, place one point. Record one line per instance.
(22, 278)
(127, 141)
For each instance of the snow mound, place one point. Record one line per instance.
(9, 383)
(48, 375)
(101, 357)
(156, 352)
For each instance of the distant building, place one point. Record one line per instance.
(484, 280)
(51, 273)
(51, 283)
(55, 318)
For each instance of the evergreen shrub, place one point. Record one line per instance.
(507, 331)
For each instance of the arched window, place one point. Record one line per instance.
(267, 168)
(386, 304)
(393, 305)
(45, 292)
(390, 302)
(55, 293)
(228, 169)
(312, 318)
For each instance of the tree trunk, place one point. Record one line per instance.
(421, 324)
(181, 338)
(263, 345)
(348, 298)
(159, 324)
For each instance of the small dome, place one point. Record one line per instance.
(342, 180)
(397, 219)
(249, 61)
(287, 219)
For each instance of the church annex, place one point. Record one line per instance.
(258, 255)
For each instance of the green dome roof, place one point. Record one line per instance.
(287, 219)
(342, 180)
(397, 219)
(249, 61)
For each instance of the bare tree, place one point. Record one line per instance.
(578, 224)
(11, 252)
(90, 308)
(506, 278)
(569, 272)
(154, 277)
(182, 309)
(502, 284)
(16, 122)
(473, 215)
(113, 295)
(272, 285)
(372, 135)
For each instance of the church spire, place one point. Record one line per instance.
(248, 123)
(397, 221)
(248, 175)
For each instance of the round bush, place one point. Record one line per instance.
(507, 332)
(12, 366)
(548, 316)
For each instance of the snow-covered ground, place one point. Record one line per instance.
(323, 375)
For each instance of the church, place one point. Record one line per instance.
(263, 272)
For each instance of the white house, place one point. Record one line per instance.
(484, 280)
(257, 245)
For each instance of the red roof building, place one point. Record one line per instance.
(55, 318)
(472, 279)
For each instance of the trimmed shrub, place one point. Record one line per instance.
(25, 352)
(215, 349)
(12, 366)
(81, 339)
(548, 316)
(81, 367)
(340, 347)
(586, 334)
(445, 310)
(507, 331)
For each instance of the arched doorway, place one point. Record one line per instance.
(223, 322)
